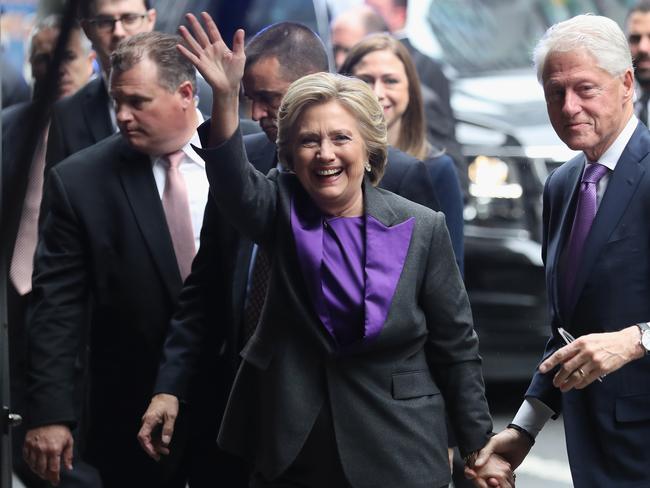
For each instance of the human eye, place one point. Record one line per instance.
(104, 22)
(341, 138)
(308, 140)
(554, 94)
(130, 19)
(366, 79)
(634, 38)
(391, 80)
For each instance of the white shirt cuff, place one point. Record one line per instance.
(532, 415)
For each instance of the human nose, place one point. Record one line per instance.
(118, 28)
(122, 114)
(644, 44)
(379, 89)
(259, 111)
(571, 105)
(325, 151)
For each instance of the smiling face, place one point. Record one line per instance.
(153, 119)
(385, 74)
(328, 157)
(587, 106)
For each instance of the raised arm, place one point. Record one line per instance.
(222, 68)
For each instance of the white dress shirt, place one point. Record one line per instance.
(193, 170)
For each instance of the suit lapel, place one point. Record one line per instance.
(387, 244)
(620, 189)
(96, 111)
(140, 187)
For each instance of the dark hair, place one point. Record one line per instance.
(159, 47)
(412, 136)
(642, 6)
(87, 8)
(297, 48)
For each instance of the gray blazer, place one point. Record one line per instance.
(388, 396)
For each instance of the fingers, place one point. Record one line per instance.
(67, 456)
(483, 455)
(144, 436)
(214, 35)
(560, 356)
(197, 29)
(238, 42)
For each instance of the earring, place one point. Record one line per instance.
(367, 166)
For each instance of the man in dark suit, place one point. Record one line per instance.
(75, 71)
(276, 56)
(116, 244)
(595, 248)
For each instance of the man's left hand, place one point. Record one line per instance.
(592, 356)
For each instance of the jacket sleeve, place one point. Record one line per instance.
(452, 346)
(247, 197)
(57, 311)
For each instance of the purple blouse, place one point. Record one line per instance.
(343, 279)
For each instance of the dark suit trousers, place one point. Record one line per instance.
(318, 464)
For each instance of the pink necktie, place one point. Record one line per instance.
(22, 261)
(177, 211)
(584, 217)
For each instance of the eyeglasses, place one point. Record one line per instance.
(130, 22)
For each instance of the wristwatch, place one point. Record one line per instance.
(645, 336)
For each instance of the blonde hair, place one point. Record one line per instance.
(354, 95)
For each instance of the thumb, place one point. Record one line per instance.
(483, 456)
(168, 429)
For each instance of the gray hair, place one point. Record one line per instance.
(351, 93)
(173, 67)
(599, 36)
(54, 21)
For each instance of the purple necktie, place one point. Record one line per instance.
(177, 211)
(584, 216)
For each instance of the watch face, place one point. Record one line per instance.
(645, 340)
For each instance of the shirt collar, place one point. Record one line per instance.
(189, 151)
(613, 153)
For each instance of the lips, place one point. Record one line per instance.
(328, 172)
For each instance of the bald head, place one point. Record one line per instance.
(351, 26)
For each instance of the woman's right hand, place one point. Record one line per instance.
(222, 68)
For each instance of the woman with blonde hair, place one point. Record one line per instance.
(386, 65)
(365, 339)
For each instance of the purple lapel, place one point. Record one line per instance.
(386, 250)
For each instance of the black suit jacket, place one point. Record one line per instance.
(105, 251)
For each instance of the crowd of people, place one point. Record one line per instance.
(194, 301)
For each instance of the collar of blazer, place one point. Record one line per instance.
(96, 109)
(621, 188)
(141, 192)
(387, 241)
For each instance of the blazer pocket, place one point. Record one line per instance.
(257, 353)
(413, 384)
(633, 408)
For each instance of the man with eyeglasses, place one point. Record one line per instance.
(88, 116)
